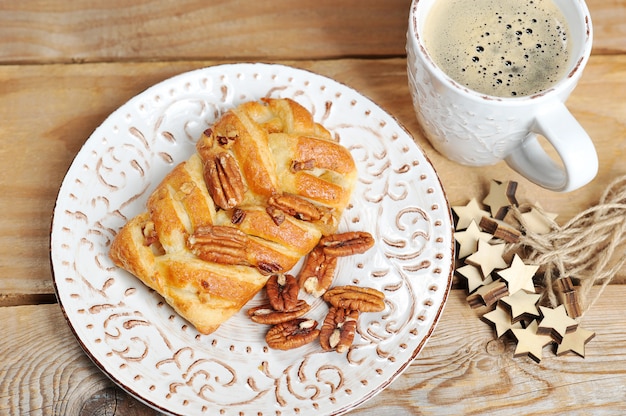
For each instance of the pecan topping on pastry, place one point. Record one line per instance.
(338, 329)
(282, 291)
(277, 215)
(149, 233)
(238, 216)
(219, 244)
(226, 134)
(224, 181)
(296, 206)
(292, 334)
(297, 166)
(347, 244)
(269, 268)
(362, 299)
(317, 273)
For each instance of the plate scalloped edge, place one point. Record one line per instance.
(137, 340)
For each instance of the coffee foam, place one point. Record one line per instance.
(499, 47)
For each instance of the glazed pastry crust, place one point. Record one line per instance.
(207, 254)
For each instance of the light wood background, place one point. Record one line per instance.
(64, 66)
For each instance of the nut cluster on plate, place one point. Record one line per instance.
(285, 310)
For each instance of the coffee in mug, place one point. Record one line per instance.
(504, 48)
(505, 72)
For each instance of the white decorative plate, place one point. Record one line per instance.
(144, 346)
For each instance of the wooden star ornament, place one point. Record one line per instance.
(522, 305)
(500, 319)
(474, 277)
(500, 229)
(487, 295)
(575, 342)
(539, 221)
(569, 297)
(469, 212)
(529, 342)
(468, 239)
(488, 257)
(555, 323)
(519, 275)
(501, 196)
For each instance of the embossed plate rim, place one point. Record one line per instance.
(430, 261)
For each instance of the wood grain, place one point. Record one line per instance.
(43, 370)
(50, 110)
(84, 31)
(34, 31)
(65, 66)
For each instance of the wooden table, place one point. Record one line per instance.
(66, 65)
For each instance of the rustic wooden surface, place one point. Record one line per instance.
(64, 66)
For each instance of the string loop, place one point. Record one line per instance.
(590, 248)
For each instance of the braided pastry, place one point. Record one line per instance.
(265, 184)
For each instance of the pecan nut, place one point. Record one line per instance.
(362, 299)
(224, 181)
(338, 329)
(149, 233)
(317, 273)
(227, 134)
(268, 268)
(295, 206)
(238, 216)
(266, 314)
(300, 165)
(277, 215)
(282, 291)
(347, 244)
(292, 334)
(219, 244)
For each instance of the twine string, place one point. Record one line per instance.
(590, 248)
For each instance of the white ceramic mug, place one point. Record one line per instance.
(477, 130)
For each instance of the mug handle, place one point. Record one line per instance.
(572, 144)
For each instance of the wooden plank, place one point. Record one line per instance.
(83, 31)
(48, 112)
(460, 371)
(609, 25)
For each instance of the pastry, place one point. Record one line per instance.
(265, 184)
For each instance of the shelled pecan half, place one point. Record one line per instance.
(295, 206)
(282, 291)
(226, 134)
(224, 181)
(338, 329)
(219, 244)
(347, 244)
(268, 268)
(277, 215)
(317, 273)
(266, 314)
(292, 334)
(300, 165)
(149, 233)
(238, 216)
(362, 299)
